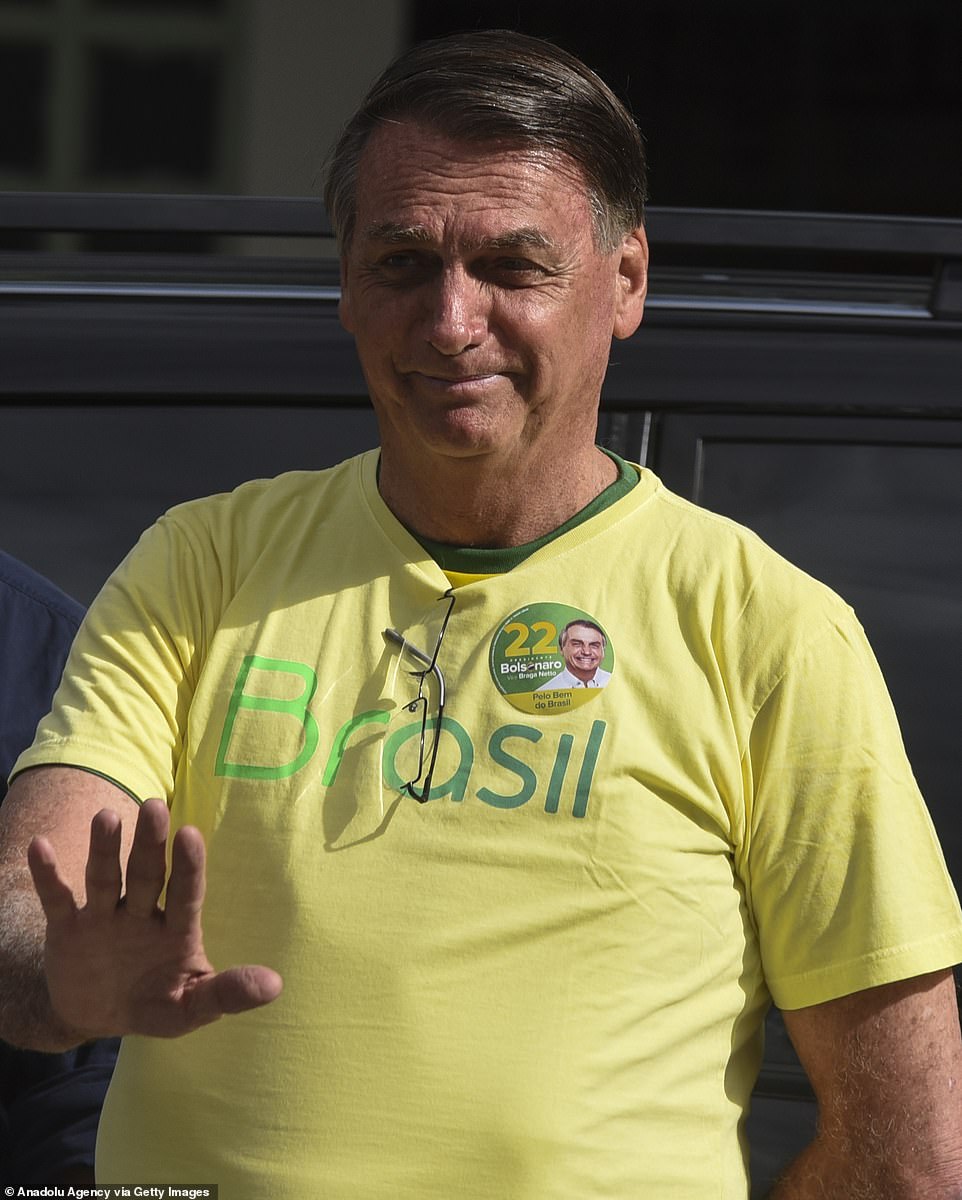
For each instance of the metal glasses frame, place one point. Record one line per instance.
(422, 793)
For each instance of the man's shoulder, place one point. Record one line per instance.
(690, 524)
(291, 496)
(723, 578)
(706, 546)
(264, 528)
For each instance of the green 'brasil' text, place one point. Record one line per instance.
(505, 746)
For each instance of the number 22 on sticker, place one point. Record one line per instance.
(523, 633)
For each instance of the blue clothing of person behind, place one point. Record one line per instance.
(49, 1103)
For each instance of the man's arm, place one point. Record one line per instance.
(886, 1067)
(57, 803)
(85, 949)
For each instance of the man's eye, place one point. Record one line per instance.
(515, 272)
(518, 266)
(399, 261)
(402, 268)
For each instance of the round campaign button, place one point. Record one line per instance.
(549, 658)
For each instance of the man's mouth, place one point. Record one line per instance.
(473, 377)
(467, 387)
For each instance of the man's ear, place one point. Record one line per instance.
(344, 303)
(632, 283)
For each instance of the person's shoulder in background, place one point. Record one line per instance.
(49, 1103)
(38, 622)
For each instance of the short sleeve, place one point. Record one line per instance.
(845, 876)
(122, 705)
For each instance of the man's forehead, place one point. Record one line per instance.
(584, 633)
(409, 173)
(399, 139)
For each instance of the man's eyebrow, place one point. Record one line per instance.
(393, 233)
(517, 239)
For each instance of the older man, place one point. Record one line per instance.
(526, 950)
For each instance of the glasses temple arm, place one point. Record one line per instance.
(398, 639)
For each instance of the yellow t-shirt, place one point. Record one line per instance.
(548, 981)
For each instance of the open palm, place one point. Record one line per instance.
(123, 964)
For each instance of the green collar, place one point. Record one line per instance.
(496, 560)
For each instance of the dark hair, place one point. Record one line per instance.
(563, 636)
(521, 91)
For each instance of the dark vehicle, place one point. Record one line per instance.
(800, 373)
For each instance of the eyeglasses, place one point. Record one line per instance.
(426, 759)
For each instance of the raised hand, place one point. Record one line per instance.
(122, 964)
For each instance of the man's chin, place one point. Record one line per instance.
(466, 431)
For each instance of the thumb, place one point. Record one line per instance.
(235, 990)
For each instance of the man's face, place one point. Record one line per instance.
(481, 308)
(583, 650)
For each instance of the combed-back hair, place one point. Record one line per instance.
(563, 636)
(522, 92)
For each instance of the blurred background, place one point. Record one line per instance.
(848, 107)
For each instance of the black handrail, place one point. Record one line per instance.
(297, 216)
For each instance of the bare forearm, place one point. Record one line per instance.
(27, 1019)
(886, 1066)
(814, 1176)
(57, 802)
(821, 1174)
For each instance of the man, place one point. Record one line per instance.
(582, 646)
(524, 951)
(49, 1104)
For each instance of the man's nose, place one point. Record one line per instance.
(458, 318)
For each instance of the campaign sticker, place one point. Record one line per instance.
(550, 658)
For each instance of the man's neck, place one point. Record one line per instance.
(474, 502)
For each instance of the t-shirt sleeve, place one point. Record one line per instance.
(845, 877)
(121, 709)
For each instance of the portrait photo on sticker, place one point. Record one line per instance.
(550, 657)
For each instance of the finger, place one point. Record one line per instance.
(56, 897)
(186, 885)
(102, 876)
(236, 990)
(240, 989)
(147, 861)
